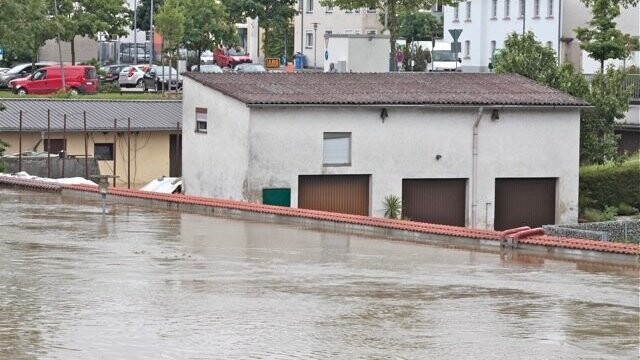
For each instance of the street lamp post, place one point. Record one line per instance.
(315, 46)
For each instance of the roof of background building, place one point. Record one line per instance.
(449, 89)
(155, 115)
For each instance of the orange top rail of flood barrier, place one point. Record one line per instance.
(524, 235)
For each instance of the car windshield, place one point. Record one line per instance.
(18, 69)
(160, 69)
(237, 51)
(443, 55)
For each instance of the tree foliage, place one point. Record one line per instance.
(602, 39)
(524, 55)
(170, 25)
(393, 7)
(143, 14)
(87, 18)
(24, 27)
(418, 26)
(206, 25)
(606, 92)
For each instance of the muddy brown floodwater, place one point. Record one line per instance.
(139, 283)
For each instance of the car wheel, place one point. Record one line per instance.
(140, 84)
(21, 92)
(74, 92)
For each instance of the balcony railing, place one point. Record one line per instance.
(632, 81)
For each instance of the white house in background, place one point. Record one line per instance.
(485, 25)
(357, 53)
(467, 149)
(309, 39)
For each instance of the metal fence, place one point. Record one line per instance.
(632, 81)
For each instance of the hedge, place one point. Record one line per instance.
(610, 185)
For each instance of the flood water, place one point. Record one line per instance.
(145, 284)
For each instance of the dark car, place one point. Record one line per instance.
(20, 71)
(112, 73)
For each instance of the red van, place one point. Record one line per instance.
(81, 79)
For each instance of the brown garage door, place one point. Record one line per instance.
(347, 194)
(525, 202)
(437, 201)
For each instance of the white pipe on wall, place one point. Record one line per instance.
(474, 171)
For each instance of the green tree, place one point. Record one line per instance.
(610, 97)
(143, 14)
(274, 17)
(418, 26)
(87, 18)
(601, 39)
(524, 55)
(393, 8)
(275, 45)
(206, 24)
(24, 27)
(170, 25)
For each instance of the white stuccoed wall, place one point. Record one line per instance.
(214, 164)
(246, 150)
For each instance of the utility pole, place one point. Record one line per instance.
(55, 9)
(315, 45)
(301, 26)
(135, 31)
(152, 32)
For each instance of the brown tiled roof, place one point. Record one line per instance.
(385, 89)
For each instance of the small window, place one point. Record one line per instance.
(329, 9)
(493, 47)
(309, 37)
(549, 44)
(372, 32)
(54, 146)
(494, 9)
(467, 49)
(456, 12)
(328, 32)
(468, 11)
(371, 9)
(522, 4)
(201, 120)
(310, 6)
(507, 8)
(536, 8)
(103, 151)
(337, 149)
(550, 8)
(348, 31)
(39, 75)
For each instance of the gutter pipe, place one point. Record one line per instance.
(474, 170)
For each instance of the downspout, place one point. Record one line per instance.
(474, 171)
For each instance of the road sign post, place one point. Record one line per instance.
(455, 45)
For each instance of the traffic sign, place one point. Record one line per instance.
(272, 63)
(456, 47)
(455, 33)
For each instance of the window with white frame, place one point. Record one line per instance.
(467, 49)
(494, 9)
(468, 18)
(201, 120)
(348, 31)
(336, 149)
(492, 46)
(536, 8)
(328, 32)
(309, 37)
(507, 9)
(550, 8)
(310, 6)
(521, 8)
(456, 12)
(371, 32)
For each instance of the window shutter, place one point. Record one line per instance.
(337, 149)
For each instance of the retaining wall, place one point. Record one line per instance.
(621, 230)
(37, 166)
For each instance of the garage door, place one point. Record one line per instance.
(437, 201)
(525, 202)
(347, 194)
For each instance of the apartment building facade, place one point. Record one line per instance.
(315, 20)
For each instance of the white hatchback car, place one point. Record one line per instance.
(132, 76)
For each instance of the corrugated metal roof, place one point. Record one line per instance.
(385, 89)
(146, 115)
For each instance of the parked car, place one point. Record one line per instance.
(129, 56)
(112, 73)
(249, 68)
(131, 76)
(230, 57)
(20, 71)
(206, 57)
(212, 69)
(80, 79)
(3, 70)
(167, 77)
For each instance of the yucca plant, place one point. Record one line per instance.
(392, 207)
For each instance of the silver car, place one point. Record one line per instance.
(132, 76)
(165, 80)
